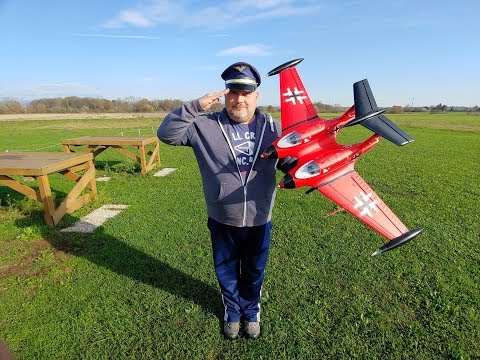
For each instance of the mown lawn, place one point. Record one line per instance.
(142, 286)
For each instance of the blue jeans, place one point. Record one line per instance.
(240, 255)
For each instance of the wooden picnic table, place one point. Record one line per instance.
(40, 165)
(98, 144)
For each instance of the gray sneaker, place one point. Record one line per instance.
(230, 329)
(252, 329)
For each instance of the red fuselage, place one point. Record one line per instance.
(318, 157)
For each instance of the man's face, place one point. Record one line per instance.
(241, 105)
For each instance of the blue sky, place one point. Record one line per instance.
(411, 51)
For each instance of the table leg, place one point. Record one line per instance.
(156, 152)
(46, 199)
(143, 161)
(92, 185)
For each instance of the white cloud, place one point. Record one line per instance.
(245, 50)
(145, 80)
(60, 89)
(120, 36)
(226, 14)
(264, 4)
(136, 18)
(159, 11)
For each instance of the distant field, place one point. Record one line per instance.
(142, 286)
(16, 117)
(447, 121)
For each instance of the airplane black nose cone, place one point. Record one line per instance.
(270, 152)
(287, 182)
(287, 163)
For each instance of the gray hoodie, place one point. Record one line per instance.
(229, 201)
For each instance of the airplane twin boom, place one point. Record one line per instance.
(309, 155)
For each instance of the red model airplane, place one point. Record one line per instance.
(310, 156)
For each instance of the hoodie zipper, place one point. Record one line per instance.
(244, 221)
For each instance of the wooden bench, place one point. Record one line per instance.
(41, 164)
(98, 144)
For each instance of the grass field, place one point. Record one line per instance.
(142, 286)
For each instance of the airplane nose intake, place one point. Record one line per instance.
(270, 152)
(287, 163)
(287, 182)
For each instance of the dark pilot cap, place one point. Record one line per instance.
(241, 76)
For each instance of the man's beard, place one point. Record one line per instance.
(239, 115)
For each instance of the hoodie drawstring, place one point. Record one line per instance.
(271, 122)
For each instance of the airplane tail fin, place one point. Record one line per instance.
(295, 104)
(369, 115)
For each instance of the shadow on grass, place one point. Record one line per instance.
(14, 199)
(111, 253)
(105, 164)
(127, 166)
(9, 197)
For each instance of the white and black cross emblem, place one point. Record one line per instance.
(366, 204)
(294, 96)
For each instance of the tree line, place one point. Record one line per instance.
(75, 104)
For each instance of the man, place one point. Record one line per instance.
(239, 187)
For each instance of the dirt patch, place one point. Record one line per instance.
(25, 255)
(20, 117)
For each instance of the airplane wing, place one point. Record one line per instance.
(353, 194)
(295, 104)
